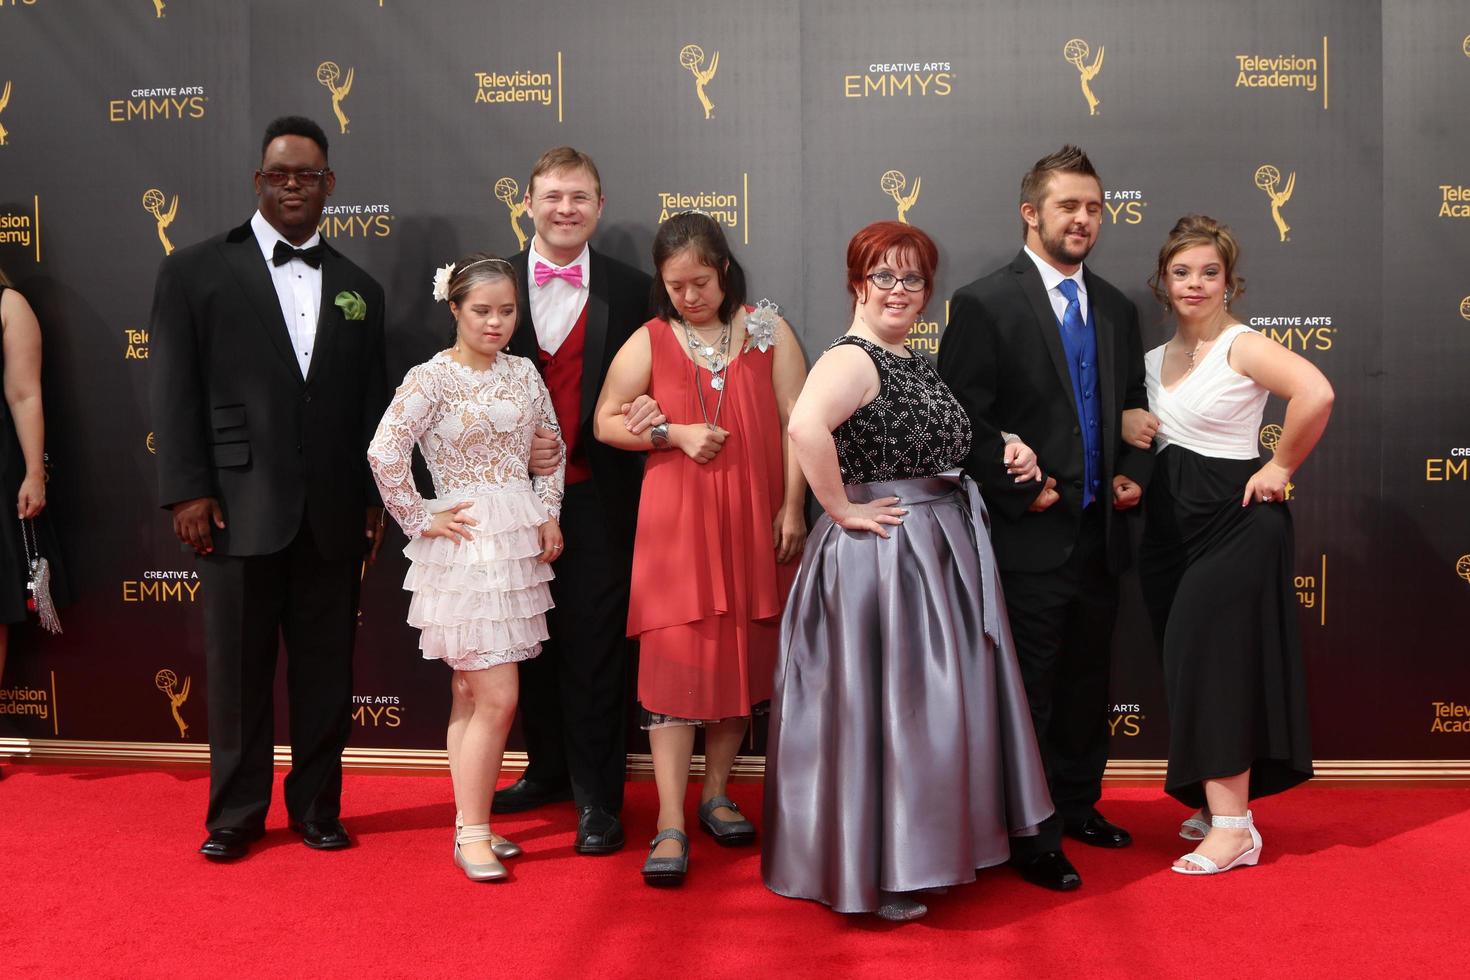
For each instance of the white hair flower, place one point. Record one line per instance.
(441, 282)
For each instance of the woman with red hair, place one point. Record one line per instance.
(901, 752)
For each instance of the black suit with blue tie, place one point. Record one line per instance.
(1005, 357)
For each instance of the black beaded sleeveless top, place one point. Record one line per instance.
(913, 428)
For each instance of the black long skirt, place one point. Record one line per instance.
(1217, 579)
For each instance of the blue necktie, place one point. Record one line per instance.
(1072, 316)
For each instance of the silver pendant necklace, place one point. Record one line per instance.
(718, 357)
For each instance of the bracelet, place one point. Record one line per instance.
(659, 436)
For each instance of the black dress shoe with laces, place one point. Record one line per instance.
(599, 831)
(1097, 832)
(229, 843)
(322, 835)
(525, 795)
(1049, 869)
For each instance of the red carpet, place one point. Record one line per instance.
(99, 878)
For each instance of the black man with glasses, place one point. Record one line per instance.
(268, 381)
(1047, 349)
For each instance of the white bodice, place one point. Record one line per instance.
(1213, 410)
(474, 429)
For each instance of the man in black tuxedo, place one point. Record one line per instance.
(578, 307)
(1047, 350)
(268, 381)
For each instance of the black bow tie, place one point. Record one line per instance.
(285, 253)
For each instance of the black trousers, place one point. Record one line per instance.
(573, 696)
(1062, 621)
(250, 604)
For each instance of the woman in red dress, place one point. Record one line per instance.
(719, 523)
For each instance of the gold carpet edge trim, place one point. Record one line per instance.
(640, 765)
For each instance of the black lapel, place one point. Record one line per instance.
(1029, 280)
(242, 254)
(1107, 334)
(329, 317)
(523, 342)
(598, 292)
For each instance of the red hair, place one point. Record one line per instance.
(870, 246)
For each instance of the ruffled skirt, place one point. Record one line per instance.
(482, 602)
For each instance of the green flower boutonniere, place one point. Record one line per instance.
(352, 305)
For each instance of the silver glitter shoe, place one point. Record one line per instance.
(730, 833)
(664, 872)
(899, 908)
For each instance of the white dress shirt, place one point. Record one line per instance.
(298, 287)
(556, 305)
(1050, 278)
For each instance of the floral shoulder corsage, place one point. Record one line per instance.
(760, 326)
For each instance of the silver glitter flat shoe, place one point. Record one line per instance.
(730, 833)
(900, 908)
(662, 872)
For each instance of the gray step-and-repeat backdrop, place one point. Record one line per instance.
(1329, 133)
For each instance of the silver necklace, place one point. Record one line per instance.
(718, 357)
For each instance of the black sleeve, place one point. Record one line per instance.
(177, 394)
(969, 363)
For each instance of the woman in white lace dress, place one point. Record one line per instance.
(480, 552)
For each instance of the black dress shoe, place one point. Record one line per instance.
(1098, 832)
(598, 832)
(1049, 869)
(229, 843)
(526, 795)
(322, 835)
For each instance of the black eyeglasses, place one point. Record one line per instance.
(304, 178)
(887, 280)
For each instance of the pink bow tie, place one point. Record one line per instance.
(545, 273)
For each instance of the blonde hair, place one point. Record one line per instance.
(1192, 231)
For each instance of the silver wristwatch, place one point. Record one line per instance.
(659, 435)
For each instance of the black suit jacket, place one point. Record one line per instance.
(1003, 357)
(234, 419)
(617, 305)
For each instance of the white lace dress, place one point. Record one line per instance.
(481, 602)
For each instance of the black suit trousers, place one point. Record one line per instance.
(1062, 623)
(573, 696)
(250, 604)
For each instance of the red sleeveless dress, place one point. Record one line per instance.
(707, 594)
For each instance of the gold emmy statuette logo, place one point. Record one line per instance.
(167, 682)
(4, 101)
(149, 444)
(1465, 45)
(1465, 307)
(158, 6)
(893, 183)
(153, 204)
(508, 192)
(1267, 179)
(329, 74)
(1462, 567)
(691, 56)
(1271, 438)
(1076, 52)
